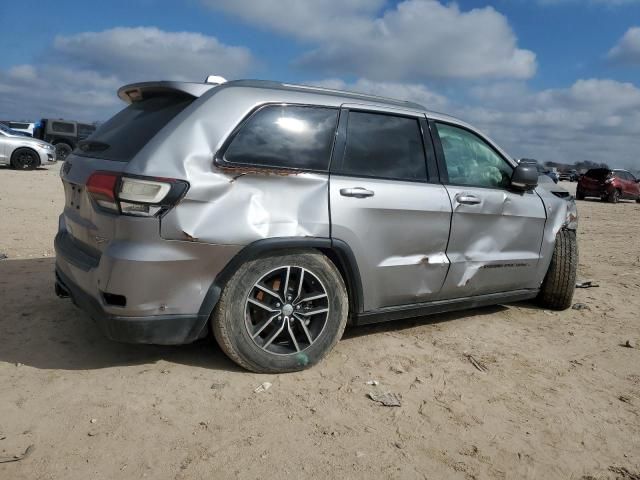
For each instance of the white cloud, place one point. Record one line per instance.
(402, 91)
(150, 53)
(30, 93)
(416, 39)
(609, 3)
(593, 119)
(627, 50)
(82, 72)
(308, 19)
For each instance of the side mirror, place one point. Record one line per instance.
(525, 177)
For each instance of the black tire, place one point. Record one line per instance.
(62, 150)
(232, 320)
(614, 196)
(560, 282)
(25, 159)
(579, 194)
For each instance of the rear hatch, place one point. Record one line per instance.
(106, 155)
(594, 179)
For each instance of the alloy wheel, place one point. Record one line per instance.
(26, 160)
(286, 310)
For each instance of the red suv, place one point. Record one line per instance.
(609, 185)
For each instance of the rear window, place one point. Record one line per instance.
(84, 130)
(598, 173)
(125, 134)
(62, 127)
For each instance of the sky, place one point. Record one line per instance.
(555, 80)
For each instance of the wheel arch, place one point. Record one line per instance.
(17, 149)
(68, 141)
(337, 251)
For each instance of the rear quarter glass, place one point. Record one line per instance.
(125, 134)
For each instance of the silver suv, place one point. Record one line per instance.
(274, 214)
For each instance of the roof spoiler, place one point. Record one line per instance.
(135, 92)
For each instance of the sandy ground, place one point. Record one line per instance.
(560, 398)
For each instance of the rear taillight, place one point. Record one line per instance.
(137, 196)
(102, 187)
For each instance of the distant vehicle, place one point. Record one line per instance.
(22, 127)
(568, 175)
(551, 173)
(63, 134)
(609, 185)
(23, 152)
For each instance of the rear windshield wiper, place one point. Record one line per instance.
(92, 146)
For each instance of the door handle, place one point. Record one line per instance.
(357, 192)
(465, 199)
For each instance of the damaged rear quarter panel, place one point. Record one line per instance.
(233, 205)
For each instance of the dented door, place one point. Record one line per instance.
(496, 232)
(385, 209)
(495, 243)
(398, 236)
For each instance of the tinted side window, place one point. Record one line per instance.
(381, 145)
(471, 161)
(61, 127)
(286, 136)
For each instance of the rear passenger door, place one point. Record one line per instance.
(387, 205)
(496, 232)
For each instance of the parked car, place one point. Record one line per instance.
(23, 152)
(552, 174)
(22, 127)
(568, 175)
(608, 185)
(63, 134)
(274, 214)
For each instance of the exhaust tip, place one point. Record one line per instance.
(61, 292)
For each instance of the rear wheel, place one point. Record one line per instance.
(281, 313)
(560, 282)
(579, 194)
(25, 159)
(62, 150)
(614, 196)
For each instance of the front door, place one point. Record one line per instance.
(496, 233)
(385, 208)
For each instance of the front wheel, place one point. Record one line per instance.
(560, 282)
(281, 313)
(25, 159)
(579, 194)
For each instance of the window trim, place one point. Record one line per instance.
(425, 137)
(220, 161)
(442, 165)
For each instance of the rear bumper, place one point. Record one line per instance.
(156, 329)
(164, 288)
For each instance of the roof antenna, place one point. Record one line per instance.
(215, 79)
